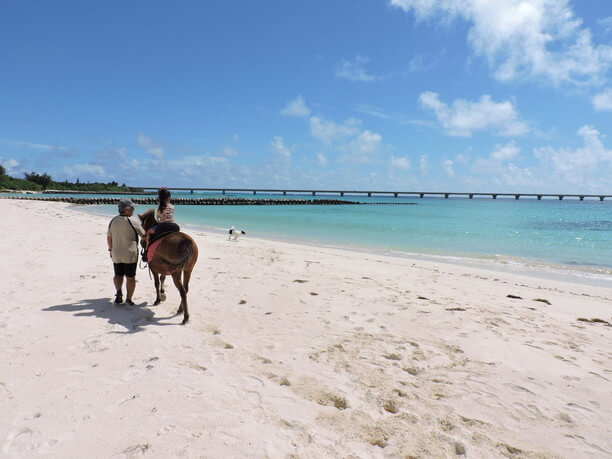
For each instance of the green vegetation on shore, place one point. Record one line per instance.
(41, 182)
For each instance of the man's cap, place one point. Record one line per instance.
(125, 204)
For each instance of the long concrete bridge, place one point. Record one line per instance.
(420, 194)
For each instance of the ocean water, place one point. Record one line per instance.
(570, 234)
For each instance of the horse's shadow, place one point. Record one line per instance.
(132, 318)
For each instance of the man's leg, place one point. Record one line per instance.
(130, 285)
(118, 281)
(130, 281)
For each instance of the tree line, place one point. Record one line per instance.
(34, 181)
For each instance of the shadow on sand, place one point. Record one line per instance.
(132, 318)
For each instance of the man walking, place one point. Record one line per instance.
(122, 238)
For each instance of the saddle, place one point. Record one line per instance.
(163, 229)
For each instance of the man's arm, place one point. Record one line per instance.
(138, 227)
(109, 241)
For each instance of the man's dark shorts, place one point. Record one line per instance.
(125, 269)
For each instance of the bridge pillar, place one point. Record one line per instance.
(516, 196)
(539, 197)
(421, 195)
(395, 194)
(284, 193)
(581, 198)
(601, 198)
(191, 191)
(314, 193)
(254, 192)
(471, 196)
(222, 191)
(446, 196)
(342, 193)
(560, 197)
(494, 196)
(369, 195)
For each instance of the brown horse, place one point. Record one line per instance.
(177, 253)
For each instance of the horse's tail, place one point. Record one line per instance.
(185, 251)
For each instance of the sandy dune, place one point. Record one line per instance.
(291, 351)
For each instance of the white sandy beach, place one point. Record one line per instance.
(291, 351)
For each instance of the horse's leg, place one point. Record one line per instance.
(157, 283)
(186, 278)
(162, 290)
(176, 277)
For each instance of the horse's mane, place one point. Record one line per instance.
(146, 217)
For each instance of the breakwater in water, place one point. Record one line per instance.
(230, 201)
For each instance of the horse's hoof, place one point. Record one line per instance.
(163, 296)
(156, 303)
(185, 320)
(180, 310)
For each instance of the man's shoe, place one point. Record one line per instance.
(118, 299)
(129, 302)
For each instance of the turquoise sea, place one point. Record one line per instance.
(572, 235)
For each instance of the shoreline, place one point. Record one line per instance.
(598, 276)
(292, 351)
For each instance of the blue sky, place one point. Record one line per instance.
(439, 95)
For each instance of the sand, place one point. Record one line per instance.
(291, 351)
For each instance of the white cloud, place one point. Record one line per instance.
(505, 152)
(577, 165)
(153, 148)
(606, 24)
(603, 100)
(296, 107)
(494, 163)
(423, 164)
(229, 151)
(529, 39)
(356, 146)
(85, 171)
(40, 146)
(355, 70)
(327, 131)
(321, 159)
(447, 165)
(111, 155)
(464, 116)
(402, 162)
(191, 164)
(395, 117)
(278, 146)
(364, 147)
(11, 165)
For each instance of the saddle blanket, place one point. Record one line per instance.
(153, 248)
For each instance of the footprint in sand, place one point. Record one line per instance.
(17, 441)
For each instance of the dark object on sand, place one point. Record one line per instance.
(516, 297)
(542, 300)
(595, 320)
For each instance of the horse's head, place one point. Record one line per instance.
(148, 219)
